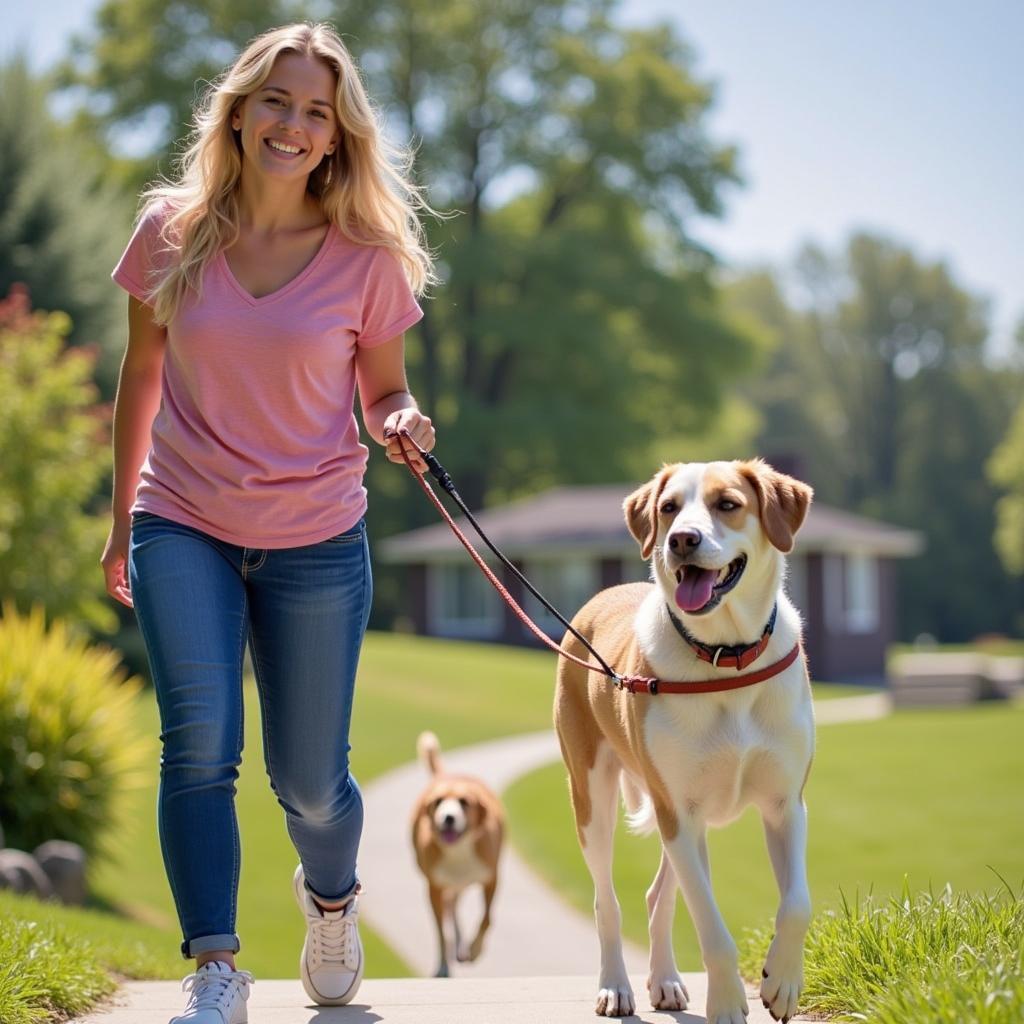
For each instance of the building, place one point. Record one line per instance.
(571, 542)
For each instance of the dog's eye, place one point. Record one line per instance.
(463, 803)
(727, 505)
(668, 507)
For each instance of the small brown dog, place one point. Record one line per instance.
(457, 829)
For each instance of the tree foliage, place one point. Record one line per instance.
(58, 218)
(879, 384)
(53, 449)
(1006, 471)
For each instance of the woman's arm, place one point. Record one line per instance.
(135, 408)
(386, 402)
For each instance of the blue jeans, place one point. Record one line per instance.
(303, 611)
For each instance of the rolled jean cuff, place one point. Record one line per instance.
(206, 943)
(356, 889)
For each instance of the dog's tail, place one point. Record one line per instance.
(429, 752)
(640, 819)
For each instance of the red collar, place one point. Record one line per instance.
(737, 656)
(646, 684)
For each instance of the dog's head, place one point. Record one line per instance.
(454, 808)
(715, 530)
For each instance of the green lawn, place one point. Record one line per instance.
(464, 692)
(58, 960)
(934, 796)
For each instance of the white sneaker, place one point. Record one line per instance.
(331, 964)
(216, 995)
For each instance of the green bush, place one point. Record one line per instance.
(68, 745)
(54, 453)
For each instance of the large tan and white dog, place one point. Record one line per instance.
(458, 825)
(715, 534)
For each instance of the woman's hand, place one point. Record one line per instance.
(421, 430)
(115, 562)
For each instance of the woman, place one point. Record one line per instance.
(276, 275)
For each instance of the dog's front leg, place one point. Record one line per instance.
(727, 998)
(437, 905)
(785, 829)
(485, 922)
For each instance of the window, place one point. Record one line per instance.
(861, 594)
(851, 593)
(567, 583)
(462, 602)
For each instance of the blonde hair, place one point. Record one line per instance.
(364, 187)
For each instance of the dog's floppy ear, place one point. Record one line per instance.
(783, 502)
(641, 510)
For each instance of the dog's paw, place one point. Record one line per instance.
(727, 999)
(615, 1000)
(476, 948)
(782, 981)
(668, 992)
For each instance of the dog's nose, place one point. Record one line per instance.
(449, 820)
(685, 540)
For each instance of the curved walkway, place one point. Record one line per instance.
(535, 932)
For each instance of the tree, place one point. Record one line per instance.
(577, 326)
(56, 218)
(1006, 471)
(53, 449)
(884, 374)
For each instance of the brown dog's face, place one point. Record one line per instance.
(454, 809)
(713, 528)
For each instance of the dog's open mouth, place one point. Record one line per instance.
(450, 835)
(699, 590)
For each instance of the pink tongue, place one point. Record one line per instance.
(695, 590)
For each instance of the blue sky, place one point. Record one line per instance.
(905, 117)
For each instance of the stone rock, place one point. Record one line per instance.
(20, 872)
(64, 864)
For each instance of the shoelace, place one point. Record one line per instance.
(212, 990)
(334, 938)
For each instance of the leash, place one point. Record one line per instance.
(631, 684)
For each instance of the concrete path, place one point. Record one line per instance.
(540, 962)
(551, 1000)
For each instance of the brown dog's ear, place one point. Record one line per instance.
(783, 502)
(641, 510)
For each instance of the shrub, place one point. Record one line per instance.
(68, 746)
(54, 450)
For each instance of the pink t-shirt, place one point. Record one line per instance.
(256, 441)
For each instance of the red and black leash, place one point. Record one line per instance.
(632, 684)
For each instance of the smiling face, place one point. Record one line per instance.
(711, 526)
(288, 125)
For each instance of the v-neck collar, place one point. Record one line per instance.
(308, 269)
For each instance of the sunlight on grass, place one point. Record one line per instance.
(933, 795)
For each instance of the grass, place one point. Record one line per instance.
(933, 795)
(57, 961)
(465, 692)
(913, 959)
